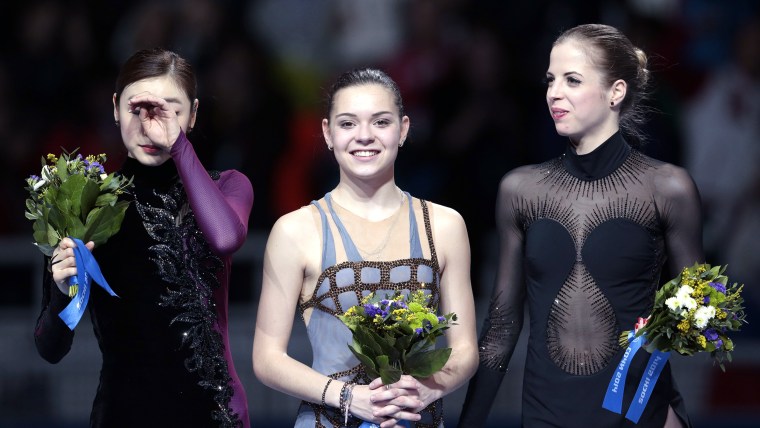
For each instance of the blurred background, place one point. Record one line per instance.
(471, 76)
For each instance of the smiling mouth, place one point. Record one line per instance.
(558, 114)
(364, 153)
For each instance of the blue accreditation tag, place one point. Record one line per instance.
(87, 270)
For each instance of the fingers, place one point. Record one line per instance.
(146, 105)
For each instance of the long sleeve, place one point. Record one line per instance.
(502, 326)
(679, 206)
(221, 208)
(51, 335)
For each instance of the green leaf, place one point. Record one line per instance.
(367, 362)
(103, 223)
(388, 373)
(70, 194)
(106, 199)
(424, 364)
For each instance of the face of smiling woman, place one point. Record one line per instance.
(365, 130)
(138, 145)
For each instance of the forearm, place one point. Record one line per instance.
(223, 218)
(458, 370)
(51, 335)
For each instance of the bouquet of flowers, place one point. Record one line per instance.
(394, 335)
(73, 196)
(694, 313)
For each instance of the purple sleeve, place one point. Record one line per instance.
(51, 335)
(221, 207)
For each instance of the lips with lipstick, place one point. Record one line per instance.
(558, 113)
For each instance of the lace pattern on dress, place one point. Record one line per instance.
(183, 258)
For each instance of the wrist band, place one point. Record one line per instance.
(346, 393)
(324, 392)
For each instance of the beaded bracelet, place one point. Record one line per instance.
(324, 392)
(345, 399)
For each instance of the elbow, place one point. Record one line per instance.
(50, 353)
(228, 244)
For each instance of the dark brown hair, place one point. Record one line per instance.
(615, 57)
(157, 62)
(364, 76)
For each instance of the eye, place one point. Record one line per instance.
(548, 80)
(572, 81)
(382, 122)
(346, 124)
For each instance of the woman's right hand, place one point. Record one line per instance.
(63, 264)
(387, 406)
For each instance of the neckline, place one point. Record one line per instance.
(163, 174)
(600, 162)
(391, 217)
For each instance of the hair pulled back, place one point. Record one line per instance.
(157, 62)
(364, 76)
(615, 57)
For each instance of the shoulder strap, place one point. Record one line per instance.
(328, 245)
(352, 253)
(429, 233)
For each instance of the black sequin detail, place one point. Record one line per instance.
(609, 195)
(500, 334)
(183, 258)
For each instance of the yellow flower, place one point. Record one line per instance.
(702, 341)
(684, 325)
(721, 314)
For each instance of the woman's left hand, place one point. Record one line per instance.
(157, 118)
(402, 400)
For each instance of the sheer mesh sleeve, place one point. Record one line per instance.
(502, 326)
(51, 335)
(679, 205)
(221, 208)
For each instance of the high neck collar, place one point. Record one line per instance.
(598, 163)
(149, 175)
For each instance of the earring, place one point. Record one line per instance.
(612, 103)
(116, 123)
(330, 148)
(190, 129)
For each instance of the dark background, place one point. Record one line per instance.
(471, 76)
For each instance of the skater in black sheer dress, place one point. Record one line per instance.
(583, 241)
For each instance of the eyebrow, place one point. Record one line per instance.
(380, 113)
(173, 100)
(567, 73)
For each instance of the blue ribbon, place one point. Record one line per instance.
(402, 423)
(613, 399)
(654, 367)
(87, 270)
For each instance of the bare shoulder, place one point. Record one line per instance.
(445, 220)
(296, 227)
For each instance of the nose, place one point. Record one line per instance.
(365, 133)
(553, 92)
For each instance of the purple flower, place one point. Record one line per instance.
(718, 344)
(35, 177)
(372, 310)
(710, 334)
(441, 319)
(418, 331)
(720, 288)
(706, 300)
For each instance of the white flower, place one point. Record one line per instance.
(674, 303)
(703, 315)
(689, 303)
(103, 176)
(684, 292)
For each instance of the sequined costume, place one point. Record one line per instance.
(342, 284)
(164, 340)
(584, 239)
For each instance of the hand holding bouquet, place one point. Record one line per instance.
(693, 312)
(396, 334)
(73, 196)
